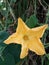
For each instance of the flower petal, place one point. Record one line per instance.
(39, 31)
(14, 38)
(37, 46)
(21, 28)
(24, 51)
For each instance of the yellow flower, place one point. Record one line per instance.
(28, 38)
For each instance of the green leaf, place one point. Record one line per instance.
(8, 59)
(47, 55)
(2, 47)
(3, 35)
(32, 21)
(21, 62)
(15, 50)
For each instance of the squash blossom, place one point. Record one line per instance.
(28, 38)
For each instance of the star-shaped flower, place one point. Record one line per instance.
(28, 38)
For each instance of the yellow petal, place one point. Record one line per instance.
(39, 31)
(21, 28)
(24, 51)
(14, 38)
(37, 46)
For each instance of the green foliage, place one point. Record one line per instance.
(32, 21)
(3, 36)
(17, 49)
(7, 59)
(47, 55)
(47, 59)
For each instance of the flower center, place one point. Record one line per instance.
(25, 37)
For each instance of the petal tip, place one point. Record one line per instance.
(6, 42)
(46, 25)
(19, 18)
(21, 57)
(44, 53)
(44, 28)
(20, 21)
